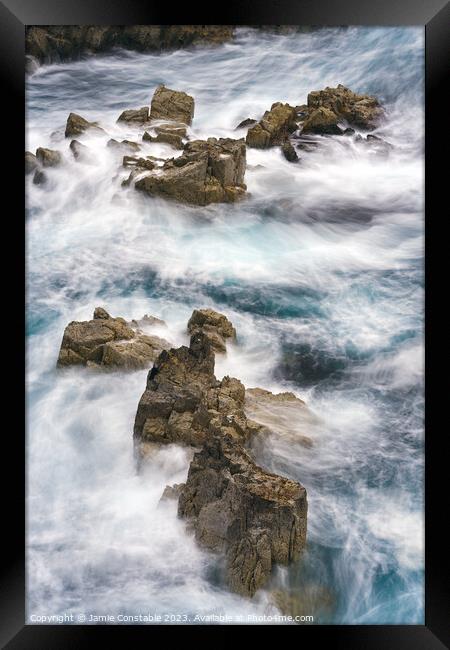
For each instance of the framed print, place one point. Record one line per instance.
(226, 228)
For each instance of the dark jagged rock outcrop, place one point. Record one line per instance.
(214, 325)
(273, 128)
(123, 145)
(106, 342)
(184, 402)
(208, 171)
(53, 43)
(332, 105)
(172, 105)
(76, 125)
(256, 518)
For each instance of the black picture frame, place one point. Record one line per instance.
(434, 15)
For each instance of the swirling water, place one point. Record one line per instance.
(321, 272)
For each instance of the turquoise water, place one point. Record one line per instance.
(321, 272)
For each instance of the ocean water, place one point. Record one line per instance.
(320, 271)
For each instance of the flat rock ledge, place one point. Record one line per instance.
(108, 343)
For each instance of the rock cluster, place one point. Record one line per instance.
(208, 171)
(106, 342)
(332, 105)
(253, 517)
(256, 518)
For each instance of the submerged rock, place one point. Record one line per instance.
(40, 177)
(184, 402)
(289, 152)
(282, 415)
(108, 343)
(256, 518)
(76, 125)
(273, 127)
(140, 115)
(173, 105)
(48, 157)
(79, 150)
(209, 171)
(31, 162)
(214, 325)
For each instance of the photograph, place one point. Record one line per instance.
(225, 232)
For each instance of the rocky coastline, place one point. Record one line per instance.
(203, 172)
(252, 518)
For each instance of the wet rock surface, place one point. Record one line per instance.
(184, 402)
(256, 518)
(140, 115)
(214, 325)
(76, 125)
(173, 105)
(48, 157)
(31, 162)
(360, 111)
(106, 342)
(208, 171)
(273, 128)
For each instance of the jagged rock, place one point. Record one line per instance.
(209, 171)
(123, 145)
(100, 312)
(247, 122)
(256, 518)
(273, 127)
(148, 321)
(323, 121)
(172, 134)
(48, 157)
(173, 105)
(361, 111)
(76, 125)
(184, 402)
(289, 152)
(31, 162)
(140, 115)
(108, 343)
(79, 150)
(172, 492)
(214, 325)
(142, 163)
